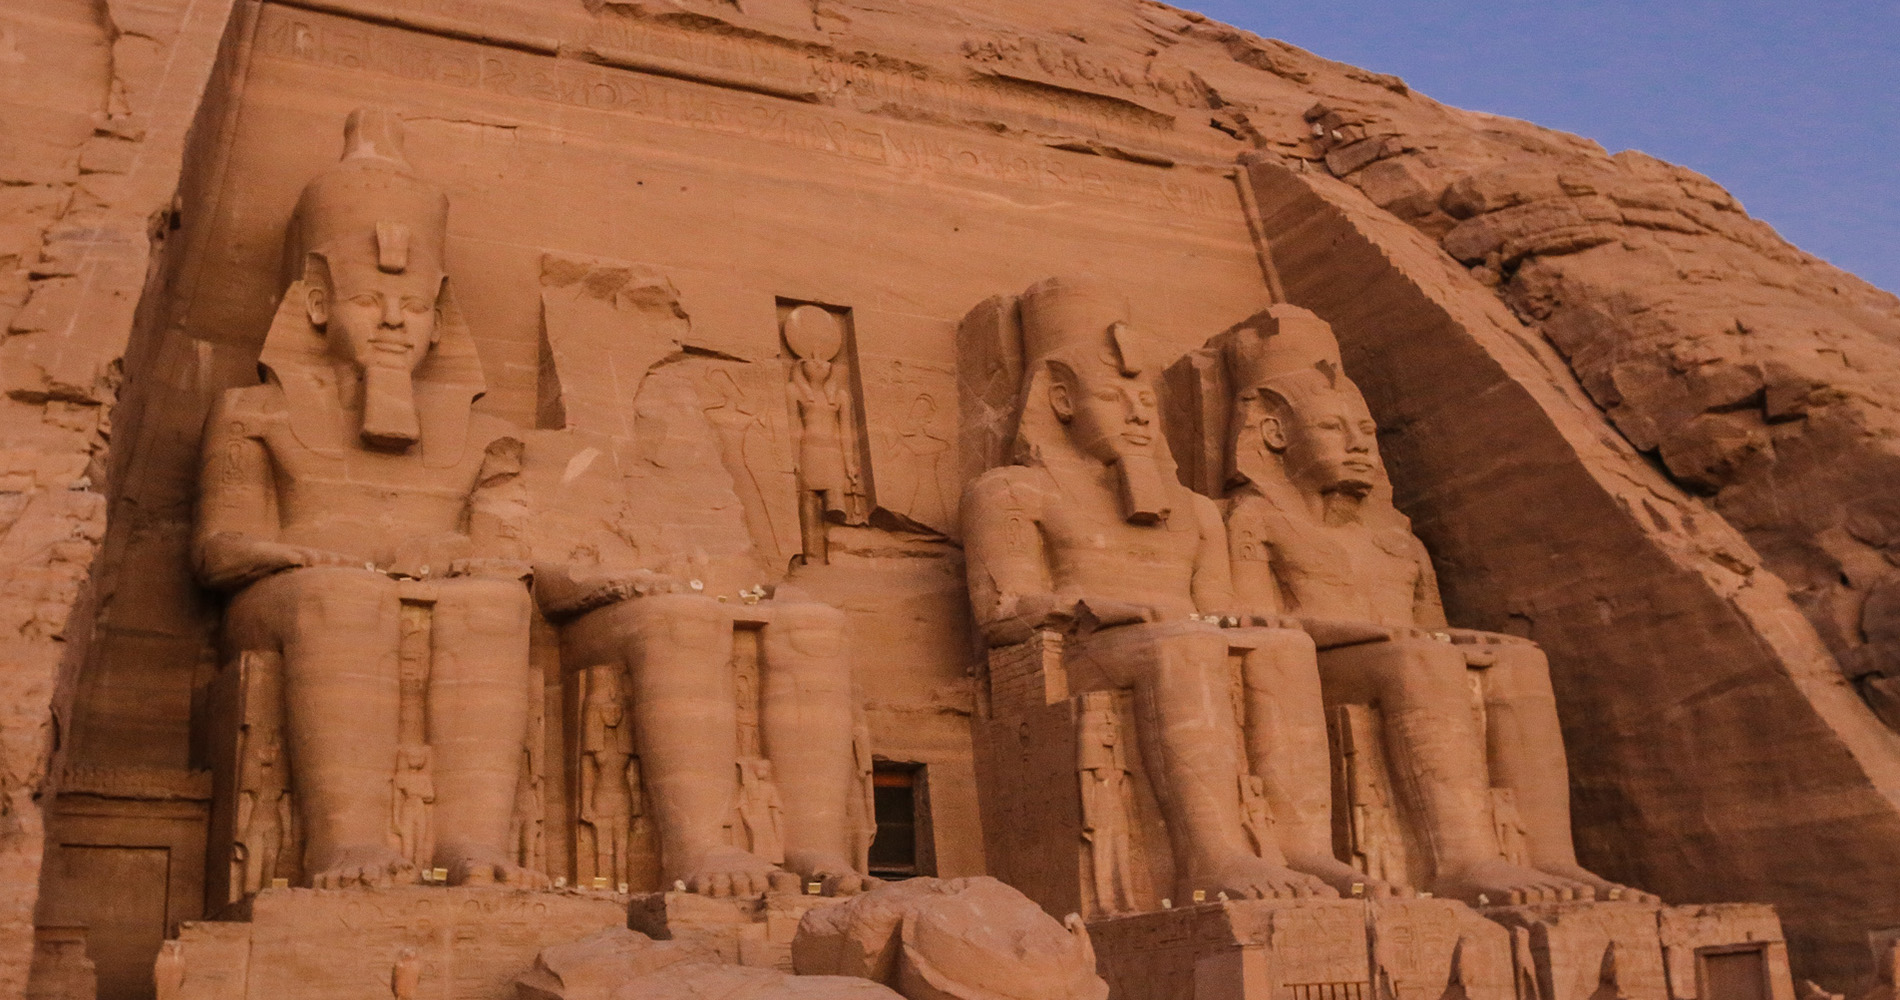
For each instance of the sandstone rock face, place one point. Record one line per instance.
(1628, 421)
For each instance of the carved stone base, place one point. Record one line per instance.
(747, 930)
(1642, 951)
(1420, 949)
(344, 944)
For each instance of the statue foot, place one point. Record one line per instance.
(1342, 877)
(1244, 876)
(1501, 883)
(729, 871)
(369, 866)
(836, 875)
(475, 866)
(1605, 889)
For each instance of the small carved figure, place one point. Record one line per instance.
(761, 811)
(263, 820)
(411, 816)
(1321, 545)
(608, 796)
(530, 811)
(827, 471)
(357, 466)
(1257, 813)
(1103, 767)
(405, 979)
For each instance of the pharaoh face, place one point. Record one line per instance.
(1327, 440)
(372, 318)
(1109, 416)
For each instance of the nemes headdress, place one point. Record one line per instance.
(1082, 323)
(1283, 340)
(371, 209)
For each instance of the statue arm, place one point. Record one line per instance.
(1213, 571)
(236, 542)
(1256, 592)
(1428, 608)
(498, 509)
(1006, 564)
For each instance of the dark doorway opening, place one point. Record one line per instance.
(903, 848)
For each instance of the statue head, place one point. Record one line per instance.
(371, 237)
(1296, 409)
(603, 696)
(1323, 434)
(1097, 384)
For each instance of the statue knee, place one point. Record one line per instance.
(682, 621)
(489, 608)
(810, 629)
(1423, 672)
(342, 602)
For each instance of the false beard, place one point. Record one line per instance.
(1143, 494)
(389, 409)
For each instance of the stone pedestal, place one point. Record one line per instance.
(343, 944)
(755, 931)
(1418, 949)
(1639, 951)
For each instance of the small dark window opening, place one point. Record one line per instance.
(903, 846)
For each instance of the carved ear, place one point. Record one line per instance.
(1061, 390)
(1273, 409)
(441, 296)
(316, 289)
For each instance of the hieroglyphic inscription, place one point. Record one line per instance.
(916, 152)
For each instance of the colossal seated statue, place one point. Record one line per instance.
(1089, 535)
(363, 519)
(751, 779)
(1313, 535)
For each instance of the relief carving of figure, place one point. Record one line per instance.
(263, 821)
(411, 819)
(1103, 766)
(1091, 534)
(828, 474)
(356, 470)
(609, 792)
(1314, 540)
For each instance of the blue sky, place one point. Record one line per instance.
(1794, 106)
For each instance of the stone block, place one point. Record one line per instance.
(315, 944)
(754, 931)
(1419, 949)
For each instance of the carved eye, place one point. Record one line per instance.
(1108, 396)
(1147, 399)
(365, 299)
(416, 305)
(1368, 428)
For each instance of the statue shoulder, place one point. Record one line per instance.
(1259, 516)
(1009, 486)
(248, 410)
(1400, 543)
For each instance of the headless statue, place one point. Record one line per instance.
(357, 464)
(1310, 538)
(657, 539)
(1092, 535)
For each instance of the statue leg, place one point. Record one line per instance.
(338, 631)
(478, 720)
(1438, 764)
(1527, 756)
(806, 722)
(1189, 742)
(678, 649)
(1287, 746)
